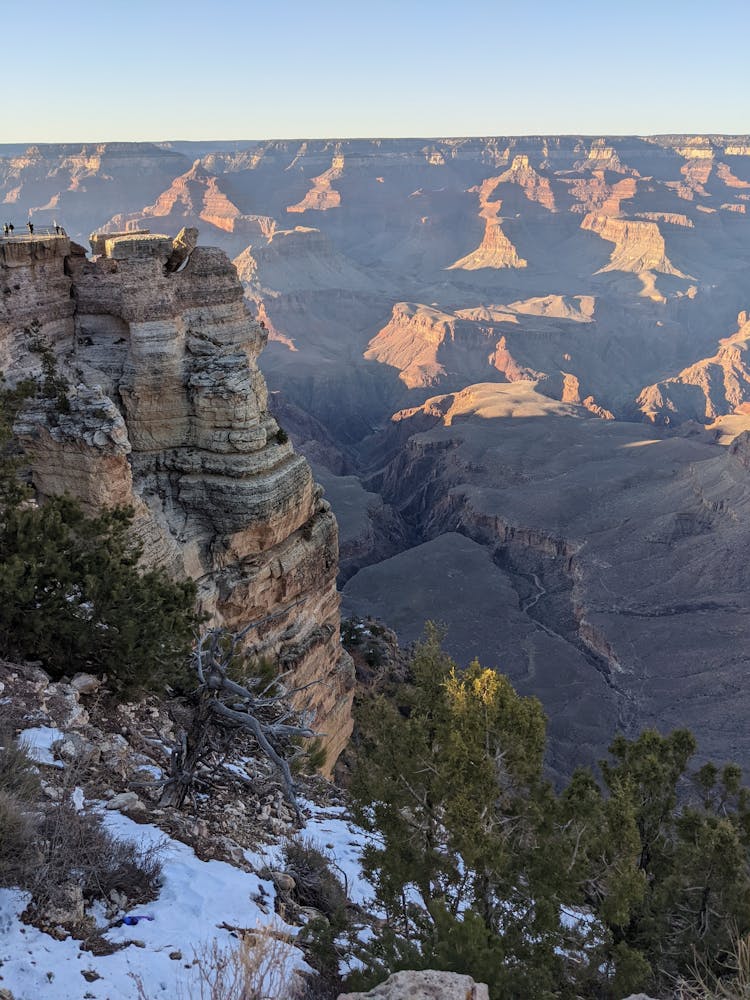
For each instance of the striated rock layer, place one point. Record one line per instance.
(168, 413)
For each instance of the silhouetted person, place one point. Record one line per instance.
(11, 227)
(30, 225)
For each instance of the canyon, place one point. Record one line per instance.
(515, 364)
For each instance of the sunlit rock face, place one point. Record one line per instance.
(514, 362)
(168, 414)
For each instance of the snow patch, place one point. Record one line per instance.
(38, 743)
(196, 899)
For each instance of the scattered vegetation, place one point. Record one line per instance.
(316, 884)
(618, 884)
(71, 592)
(259, 967)
(59, 853)
(734, 984)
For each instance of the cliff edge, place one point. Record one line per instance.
(167, 412)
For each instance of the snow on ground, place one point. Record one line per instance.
(329, 829)
(196, 897)
(38, 743)
(195, 900)
(339, 839)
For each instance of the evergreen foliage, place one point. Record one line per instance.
(71, 593)
(483, 869)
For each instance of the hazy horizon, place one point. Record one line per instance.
(438, 137)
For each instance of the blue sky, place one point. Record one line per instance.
(153, 69)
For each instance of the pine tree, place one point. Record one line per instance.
(450, 777)
(477, 857)
(71, 592)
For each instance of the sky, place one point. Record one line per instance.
(241, 69)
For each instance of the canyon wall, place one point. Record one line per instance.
(167, 412)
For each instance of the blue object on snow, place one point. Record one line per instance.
(131, 920)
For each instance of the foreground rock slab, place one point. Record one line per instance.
(428, 985)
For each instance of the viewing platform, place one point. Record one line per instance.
(23, 235)
(25, 248)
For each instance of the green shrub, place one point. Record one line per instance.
(72, 596)
(71, 592)
(19, 776)
(316, 883)
(18, 858)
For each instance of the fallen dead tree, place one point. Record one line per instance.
(221, 706)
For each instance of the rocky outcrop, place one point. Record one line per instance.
(424, 986)
(35, 299)
(431, 347)
(594, 193)
(495, 250)
(673, 218)
(535, 186)
(194, 196)
(639, 246)
(708, 389)
(322, 196)
(167, 412)
(293, 260)
(724, 173)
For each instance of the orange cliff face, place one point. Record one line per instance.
(168, 414)
(496, 250)
(194, 195)
(322, 196)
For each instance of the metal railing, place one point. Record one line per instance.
(22, 233)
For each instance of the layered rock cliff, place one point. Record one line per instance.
(168, 413)
(639, 246)
(495, 250)
(710, 388)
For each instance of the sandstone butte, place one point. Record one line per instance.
(168, 414)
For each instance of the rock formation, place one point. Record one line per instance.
(322, 196)
(594, 194)
(534, 185)
(707, 389)
(168, 413)
(427, 985)
(639, 246)
(598, 317)
(602, 563)
(432, 347)
(495, 250)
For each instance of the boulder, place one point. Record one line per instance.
(428, 985)
(126, 801)
(67, 907)
(283, 881)
(86, 683)
(183, 245)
